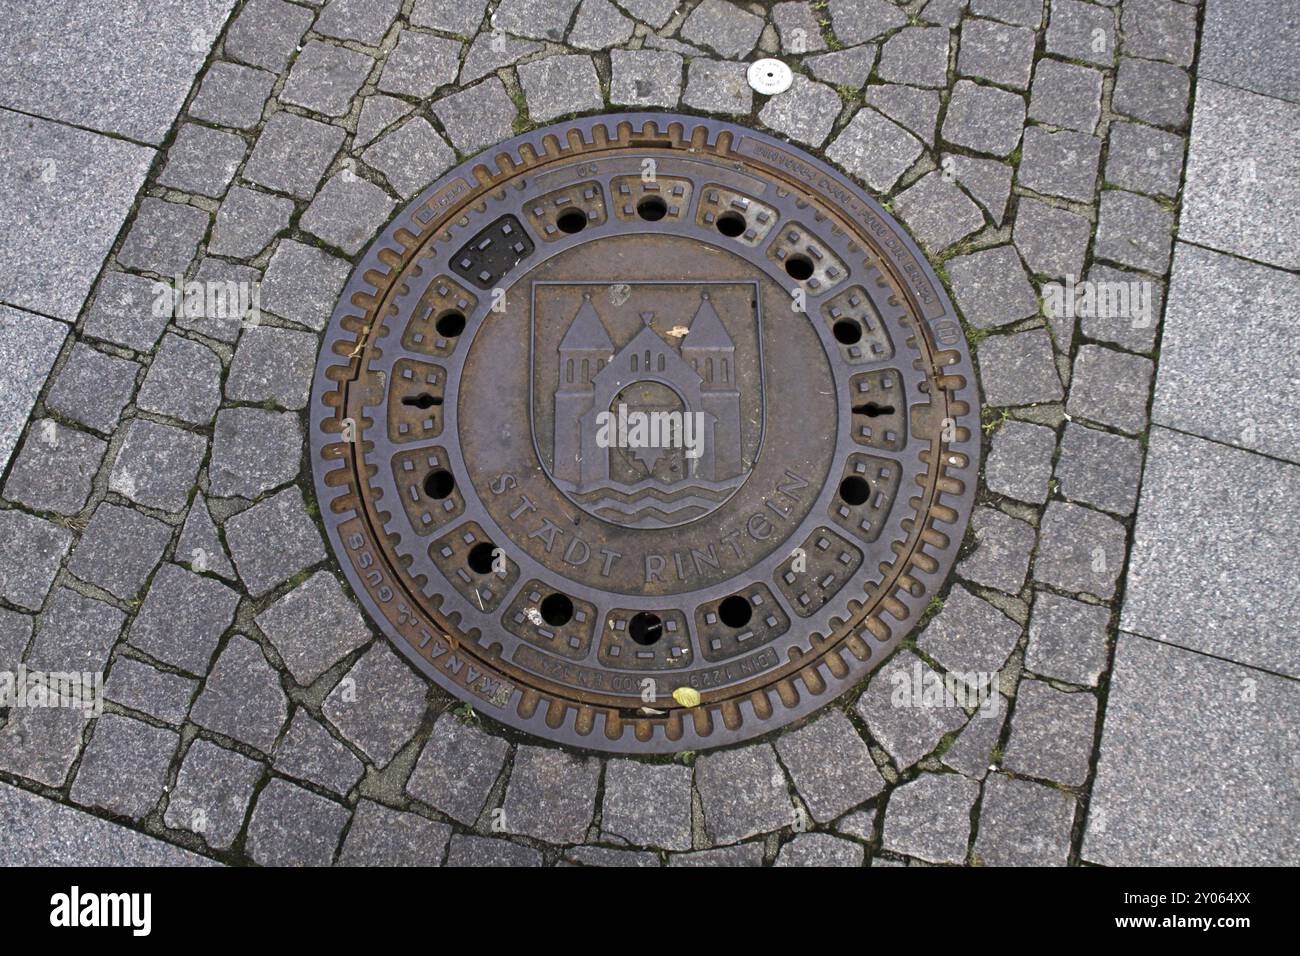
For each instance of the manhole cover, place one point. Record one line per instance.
(642, 404)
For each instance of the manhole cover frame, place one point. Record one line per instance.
(836, 663)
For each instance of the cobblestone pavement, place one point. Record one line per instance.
(1131, 572)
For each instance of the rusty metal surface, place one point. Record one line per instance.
(662, 264)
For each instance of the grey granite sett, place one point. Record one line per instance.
(645, 78)
(915, 109)
(1023, 823)
(213, 791)
(536, 19)
(830, 765)
(313, 627)
(1111, 388)
(558, 85)
(476, 851)
(654, 12)
(410, 157)
(1052, 240)
(56, 469)
(929, 818)
(804, 112)
(272, 365)
(119, 550)
(743, 793)
(242, 698)
(41, 744)
(1160, 30)
(984, 118)
(647, 804)
(124, 312)
(292, 154)
(240, 302)
(1081, 31)
(491, 51)
(1201, 741)
(1144, 159)
(291, 826)
(71, 837)
(1067, 639)
(480, 115)
(124, 768)
(1243, 404)
(917, 56)
(741, 854)
(163, 238)
(420, 64)
(1213, 566)
(380, 836)
(378, 113)
(855, 21)
(92, 388)
(302, 283)
(987, 180)
(202, 160)
(1023, 13)
(253, 451)
(247, 221)
(34, 549)
(457, 769)
(157, 465)
(946, 13)
(849, 67)
(551, 795)
(996, 52)
(462, 17)
(1066, 95)
(183, 382)
(937, 212)
(1153, 92)
(29, 345)
(873, 148)
(969, 635)
(717, 86)
(200, 546)
(1060, 164)
(1079, 550)
(273, 540)
(860, 824)
(1099, 468)
(1135, 231)
(160, 694)
(379, 704)
(972, 752)
(1002, 548)
(74, 633)
(1249, 44)
(1132, 326)
(365, 21)
(1018, 369)
(820, 849)
(605, 857)
(325, 77)
(796, 23)
(75, 62)
(232, 95)
(1241, 161)
(723, 27)
(1051, 733)
(266, 33)
(53, 247)
(1019, 464)
(598, 25)
(308, 752)
(903, 726)
(183, 617)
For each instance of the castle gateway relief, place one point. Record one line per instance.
(645, 433)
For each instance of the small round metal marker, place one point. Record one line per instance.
(769, 77)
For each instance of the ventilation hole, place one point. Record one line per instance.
(873, 410)
(557, 609)
(735, 611)
(480, 557)
(645, 628)
(571, 221)
(423, 400)
(652, 208)
(731, 224)
(799, 267)
(847, 332)
(439, 484)
(450, 324)
(854, 490)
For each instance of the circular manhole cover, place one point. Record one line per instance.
(645, 404)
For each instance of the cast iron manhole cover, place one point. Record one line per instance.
(643, 403)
